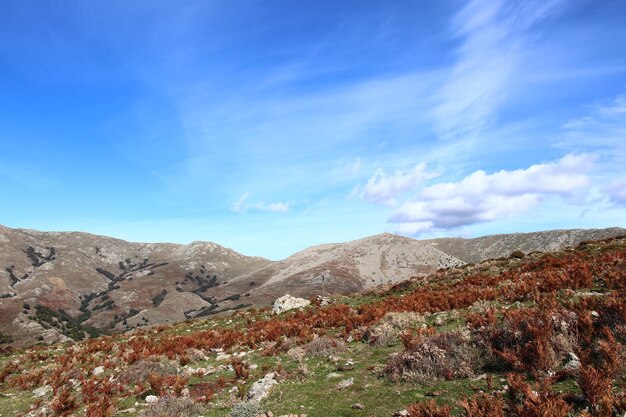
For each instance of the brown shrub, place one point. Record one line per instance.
(523, 401)
(428, 409)
(535, 340)
(324, 346)
(139, 372)
(240, 368)
(63, 403)
(447, 355)
(597, 388)
(167, 384)
(483, 406)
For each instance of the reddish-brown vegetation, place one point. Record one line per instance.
(541, 316)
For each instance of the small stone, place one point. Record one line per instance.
(152, 399)
(42, 391)
(358, 406)
(345, 383)
(401, 413)
(98, 371)
(573, 362)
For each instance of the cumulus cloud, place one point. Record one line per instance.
(482, 197)
(242, 206)
(616, 191)
(383, 188)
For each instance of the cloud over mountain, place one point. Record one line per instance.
(482, 197)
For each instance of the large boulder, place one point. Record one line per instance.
(287, 302)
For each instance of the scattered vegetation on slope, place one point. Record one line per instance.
(538, 335)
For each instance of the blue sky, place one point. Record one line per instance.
(271, 126)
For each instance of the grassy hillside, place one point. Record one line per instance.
(535, 335)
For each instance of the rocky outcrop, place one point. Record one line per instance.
(262, 388)
(287, 302)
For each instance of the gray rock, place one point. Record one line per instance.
(262, 388)
(287, 302)
(42, 391)
(346, 383)
(152, 399)
(573, 363)
(98, 371)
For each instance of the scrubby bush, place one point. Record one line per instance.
(296, 354)
(483, 405)
(387, 330)
(173, 406)
(139, 371)
(381, 335)
(324, 346)
(428, 409)
(535, 340)
(447, 355)
(246, 409)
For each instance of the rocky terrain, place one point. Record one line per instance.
(344, 268)
(496, 246)
(60, 285)
(538, 335)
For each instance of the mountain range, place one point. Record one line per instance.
(60, 285)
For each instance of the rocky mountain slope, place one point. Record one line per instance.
(496, 246)
(349, 267)
(59, 285)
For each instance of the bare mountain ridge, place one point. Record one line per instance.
(348, 267)
(105, 283)
(475, 250)
(59, 284)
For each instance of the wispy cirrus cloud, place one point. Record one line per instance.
(493, 36)
(482, 197)
(242, 206)
(604, 128)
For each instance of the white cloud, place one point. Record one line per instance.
(354, 167)
(238, 206)
(278, 207)
(495, 35)
(383, 189)
(616, 191)
(482, 197)
(241, 206)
